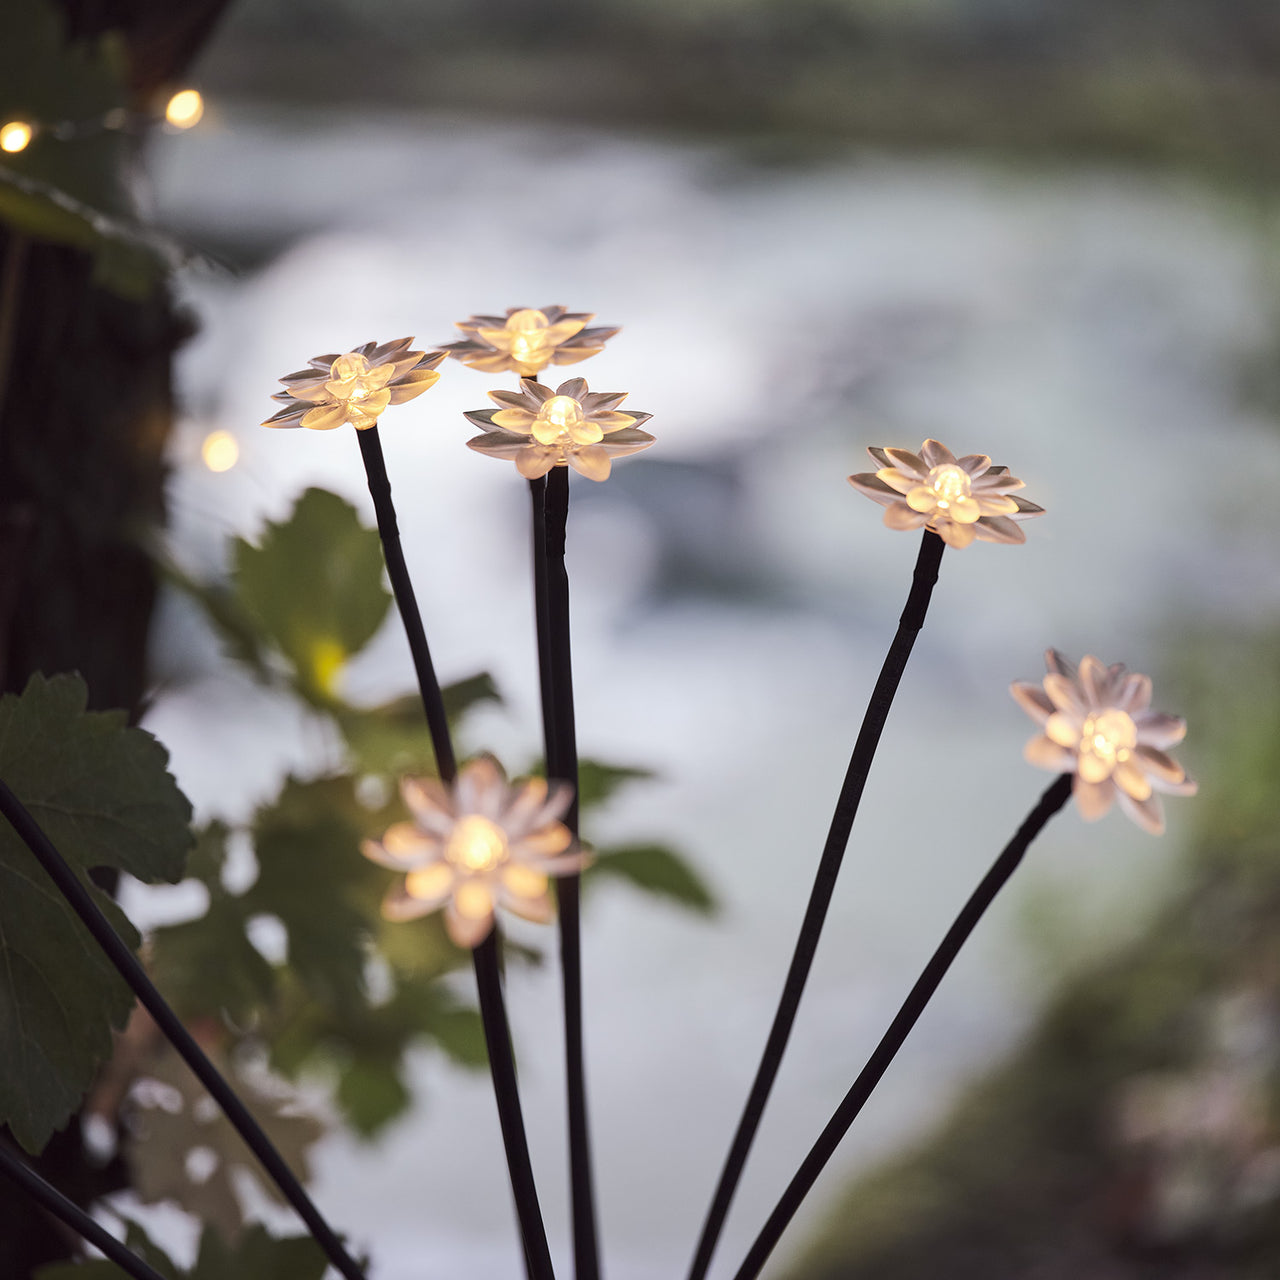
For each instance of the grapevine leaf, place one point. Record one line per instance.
(313, 585)
(102, 793)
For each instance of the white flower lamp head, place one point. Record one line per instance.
(480, 844)
(959, 499)
(356, 387)
(1096, 723)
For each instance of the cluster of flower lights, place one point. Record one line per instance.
(481, 843)
(183, 110)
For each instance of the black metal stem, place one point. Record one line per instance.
(170, 1024)
(375, 468)
(497, 1037)
(493, 1014)
(51, 1199)
(1004, 866)
(555, 669)
(909, 625)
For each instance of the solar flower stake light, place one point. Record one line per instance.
(476, 844)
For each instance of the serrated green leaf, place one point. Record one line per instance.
(183, 1118)
(313, 585)
(209, 966)
(657, 870)
(392, 739)
(314, 880)
(104, 796)
(258, 1256)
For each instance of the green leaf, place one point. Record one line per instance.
(256, 1255)
(392, 739)
(371, 1094)
(135, 1238)
(314, 587)
(657, 870)
(180, 1117)
(102, 793)
(313, 878)
(598, 781)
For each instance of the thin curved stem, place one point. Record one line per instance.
(847, 1112)
(170, 1024)
(493, 1014)
(909, 625)
(497, 1036)
(375, 469)
(555, 669)
(51, 1199)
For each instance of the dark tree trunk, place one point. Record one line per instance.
(86, 407)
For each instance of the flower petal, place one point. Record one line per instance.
(999, 529)
(936, 454)
(467, 931)
(900, 516)
(1064, 693)
(911, 463)
(1155, 729)
(1148, 813)
(481, 787)
(1044, 754)
(954, 535)
(974, 464)
(1064, 729)
(1162, 766)
(1135, 697)
(1093, 799)
(534, 461)
(1132, 781)
(1032, 699)
(591, 461)
(873, 487)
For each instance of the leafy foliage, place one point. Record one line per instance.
(182, 1120)
(255, 1255)
(349, 995)
(103, 794)
(657, 870)
(323, 545)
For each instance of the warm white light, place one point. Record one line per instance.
(15, 136)
(477, 844)
(220, 451)
(184, 109)
(949, 483)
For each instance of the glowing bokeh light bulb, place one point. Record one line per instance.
(477, 844)
(220, 451)
(184, 109)
(15, 136)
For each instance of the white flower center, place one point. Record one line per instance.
(528, 341)
(1109, 736)
(351, 371)
(561, 420)
(477, 844)
(949, 483)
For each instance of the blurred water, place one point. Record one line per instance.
(732, 597)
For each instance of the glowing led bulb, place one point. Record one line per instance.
(477, 844)
(561, 419)
(220, 451)
(1109, 737)
(949, 483)
(15, 136)
(184, 109)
